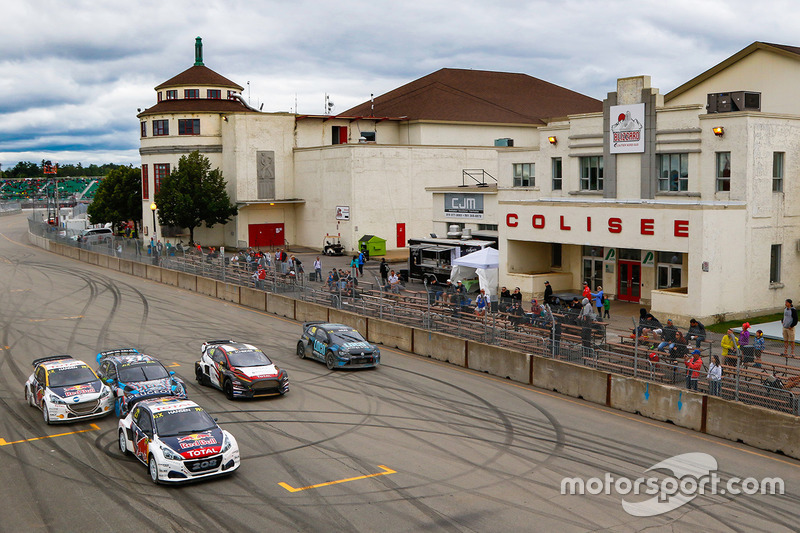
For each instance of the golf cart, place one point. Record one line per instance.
(332, 245)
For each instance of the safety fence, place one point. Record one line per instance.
(554, 333)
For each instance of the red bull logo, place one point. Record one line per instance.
(196, 439)
(85, 388)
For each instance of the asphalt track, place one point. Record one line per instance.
(455, 450)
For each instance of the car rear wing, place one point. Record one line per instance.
(120, 351)
(223, 341)
(36, 362)
(313, 322)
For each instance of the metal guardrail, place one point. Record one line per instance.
(558, 335)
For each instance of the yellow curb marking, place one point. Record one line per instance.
(385, 472)
(95, 427)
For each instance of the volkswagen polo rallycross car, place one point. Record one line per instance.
(239, 370)
(337, 345)
(131, 374)
(67, 390)
(177, 440)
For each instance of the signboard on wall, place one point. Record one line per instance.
(459, 205)
(342, 212)
(627, 129)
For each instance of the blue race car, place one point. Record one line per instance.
(132, 374)
(339, 346)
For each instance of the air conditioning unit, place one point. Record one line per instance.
(733, 101)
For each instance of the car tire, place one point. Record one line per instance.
(199, 375)
(227, 388)
(29, 397)
(330, 360)
(123, 444)
(301, 350)
(45, 413)
(152, 468)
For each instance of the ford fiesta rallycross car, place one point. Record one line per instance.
(131, 374)
(67, 390)
(239, 370)
(177, 440)
(339, 346)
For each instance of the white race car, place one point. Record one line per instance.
(177, 440)
(67, 390)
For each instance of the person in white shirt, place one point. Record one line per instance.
(394, 282)
(714, 376)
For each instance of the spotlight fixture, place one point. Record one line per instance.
(552, 139)
(719, 131)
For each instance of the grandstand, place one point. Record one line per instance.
(33, 189)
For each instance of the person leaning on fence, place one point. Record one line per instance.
(259, 278)
(729, 346)
(697, 332)
(714, 376)
(789, 322)
(480, 303)
(693, 366)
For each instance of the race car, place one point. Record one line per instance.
(239, 370)
(67, 390)
(176, 439)
(339, 346)
(131, 374)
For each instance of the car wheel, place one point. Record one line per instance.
(152, 466)
(301, 350)
(45, 413)
(123, 444)
(29, 397)
(228, 389)
(199, 375)
(330, 360)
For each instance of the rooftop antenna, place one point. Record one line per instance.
(328, 104)
(248, 93)
(198, 52)
(295, 103)
(372, 104)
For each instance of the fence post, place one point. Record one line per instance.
(635, 353)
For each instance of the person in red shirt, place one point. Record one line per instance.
(693, 366)
(587, 292)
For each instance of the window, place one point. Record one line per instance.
(555, 254)
(673, 172)
(189, 126)
(669, 270)
(160, 171)
(777, 171)
(775, 264)
(159, 96)
(145, 183)
(160, 127)
(191, 93)
(592, 173)
(214, 94)
(556, 166)
(524, 174)
(172, 95)
(369, 136)
(723, 171)
(487, 227)
(339, 135)
(144, 128)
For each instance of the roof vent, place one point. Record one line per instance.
(733, 101)
(198, 52)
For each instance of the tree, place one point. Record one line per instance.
(194, 194)
(118, 198)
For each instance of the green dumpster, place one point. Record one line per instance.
(372, 245)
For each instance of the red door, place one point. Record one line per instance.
(265, 235)
(401, 235)
(629, 282)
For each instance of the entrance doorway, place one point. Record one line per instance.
(629, 286)
(265, 235)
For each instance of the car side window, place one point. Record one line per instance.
(40, 375)
(217, 356)
(322, 336)
(112, 371)
(144, 423)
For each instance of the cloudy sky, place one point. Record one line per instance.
(74, 72)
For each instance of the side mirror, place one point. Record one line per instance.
(171, 373)
(108, 381)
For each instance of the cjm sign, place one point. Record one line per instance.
(463, 205)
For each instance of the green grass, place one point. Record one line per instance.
(722, 327)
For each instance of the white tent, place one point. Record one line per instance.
(483, 263)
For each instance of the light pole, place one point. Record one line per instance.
(153, 208)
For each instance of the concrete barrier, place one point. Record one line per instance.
(154, 273)
(169, 277)
(390, 334)
(102, 260)
(139, 269)
(682, 407)
(187, 281)
(280, 305)
(207, 286)
(83, 255)
(754, 426)
(113, 263)
(570, 379)
(126, 266)
(228, 292)
(253, 298)
(337, 316)
(93, 258)
(502, 362)
(306, 312)
(439, 346)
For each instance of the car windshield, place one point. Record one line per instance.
(64, 377)
(183, 422)
(248, 358)
(346, 336)
(143, 372)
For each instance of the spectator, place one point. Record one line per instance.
(587, 292)
(729, 347)
(606, 307)
(516, 314)
(394, 283)
(361, 263)
(548, 293)
(505, 299)
(680, 348)
(480, 303)
(714, 376)
(758, 345)
(788, 323)
(697, 332)
(668, 333)
(587, 311)
(259, 278)
(772, 381)
(744, 335)
(384, 270)
(435, 291)
(516, 296)
(693, 366)
(459, 294)
(598, 300)
(318, 269)
(449, 290)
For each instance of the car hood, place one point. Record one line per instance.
(157, 385)
(79, 393)
(197, 444)
(355, 346)
(258, 372)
